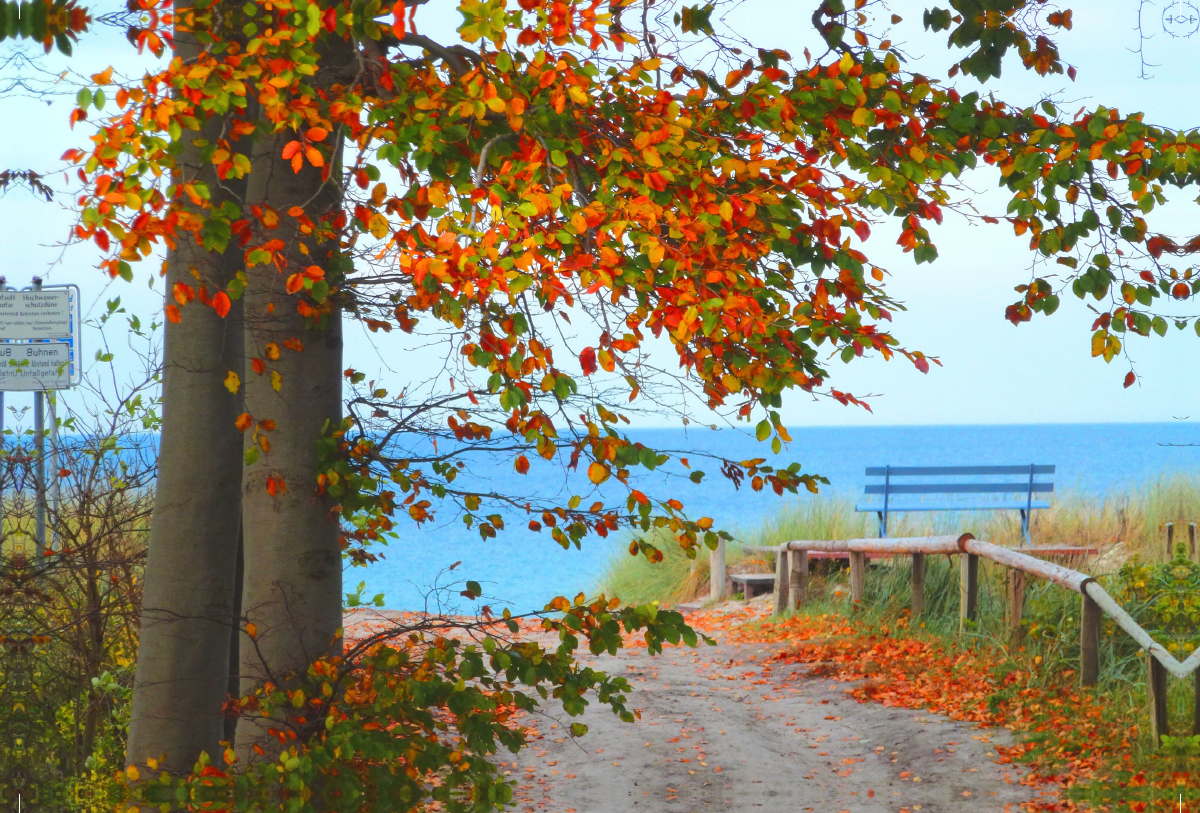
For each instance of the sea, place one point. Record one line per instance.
(425, 567)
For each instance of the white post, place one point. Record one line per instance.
(716, 572)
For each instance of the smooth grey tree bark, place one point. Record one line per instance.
(292, 590)
(183, 663)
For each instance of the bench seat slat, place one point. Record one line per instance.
(930, 471)
(960, 488)
(993, 505)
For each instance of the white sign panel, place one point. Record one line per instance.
(39, 366)
(36, 314)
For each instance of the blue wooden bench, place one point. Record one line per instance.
(989, 480)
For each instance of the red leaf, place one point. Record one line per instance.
(587, 360)
(221, 304)
(1129, 379)
(921, 364)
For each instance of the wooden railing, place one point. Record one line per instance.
(791, 590)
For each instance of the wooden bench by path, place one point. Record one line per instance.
(907, 496)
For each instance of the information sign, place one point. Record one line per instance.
(35, 366)
(39, 338)
(36, 314)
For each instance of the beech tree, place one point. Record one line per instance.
(532, 204)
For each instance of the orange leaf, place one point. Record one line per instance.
(317, 134)
(315, 271)
(221, 304)
(297, 163)
(173, 313)
(243, 422)
(314, 156)
(183, 293)
(295, 283)
(272, 351)
(598, 473)
(259, 365)
(251, 629)
(272, 489)
(291, 149)
(522, 464)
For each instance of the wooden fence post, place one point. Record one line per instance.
(918, 584)
(1192, 541)
(798, 564)
(782, 590)
(1170, 541)
(858, 576)
(1156, 693)
(1016, 606)
(716, 572)
(968, 589)
(1089, 643)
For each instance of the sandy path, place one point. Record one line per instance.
(723, 730)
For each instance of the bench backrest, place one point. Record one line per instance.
(1027, 487)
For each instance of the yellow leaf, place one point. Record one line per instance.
(496, 104)
(436, 194)
(598, 473)
(152, 763)
(132, 772)
(860, 117)
(657, 252)
(232, 382)
(726, 210)
(276, 380)
(298, 698)
(651, 157)
(641, 141)
(378, 225)
(917, 154)
(846, 63)
(579, 223)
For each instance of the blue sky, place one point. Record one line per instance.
(991, 371)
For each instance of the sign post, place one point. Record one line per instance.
(39, 352)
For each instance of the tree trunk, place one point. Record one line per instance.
(292, 591)
(183, 648)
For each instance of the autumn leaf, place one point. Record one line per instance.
(598, 473)
(251, 629)
(522, 464)
(276, 380)
(232, 382)
(243, 421)
(173, 313)
(316, 134)
(587, 360)
(221, 304)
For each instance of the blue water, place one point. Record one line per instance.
(522, 569)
